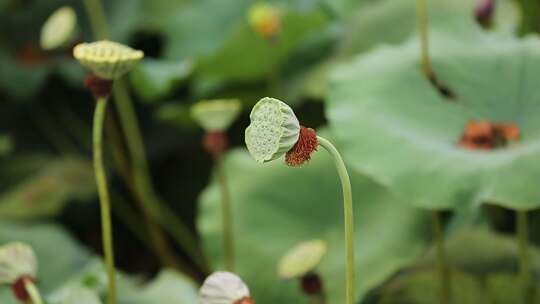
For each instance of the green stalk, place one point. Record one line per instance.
(421, 11)
(152, 205)
(348, 213)
(101, 179)
(522, 227)
(442, 263)
(226, 215)
(98, 21)
(33, 292)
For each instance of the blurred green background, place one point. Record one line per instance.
(351, 69)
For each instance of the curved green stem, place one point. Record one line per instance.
(101, 179)
(141, 178)
(421, 11)
(32, 290)
(522, 227)
(348, 213)
(226, 215)
(442, 263)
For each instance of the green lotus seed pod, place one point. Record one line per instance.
(59, 29)
(274, 130)
(16, 260)
(302, 259)
(216, 115)
(107, 59)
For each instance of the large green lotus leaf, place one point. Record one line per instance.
(153, 79)
(47, 190)
(240, 57)
(399, 20)
(276, 207)
(170, 287)
(57, 253)
(423, 288)
(190, 34)
(482, 252)
(362, 33)
(484, 270)
(392, 124)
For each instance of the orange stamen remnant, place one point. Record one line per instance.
(486, 135)
(246, 300)
(301, 151)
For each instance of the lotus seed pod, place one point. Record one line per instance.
(274, 130)
(265, 20)
(216, 115)
(17, 260)
(107, 59)
(224, 288)
(59, 29)
(302, 259)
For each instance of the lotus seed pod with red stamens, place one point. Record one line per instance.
(224, 288)
(17, 260)
(302, 259)
(59, 29)
(301, 152)
(107, 59)
(273, 131)
(216, 115)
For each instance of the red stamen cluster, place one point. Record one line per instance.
(485, 135)
(311, 284)
(100, 88)
(301, 152)
(484, 12)
(19, 288)
(215, 143)
(246, 300)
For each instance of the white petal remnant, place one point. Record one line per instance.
(224, 288)
(107, 59)
(16, 260)
(274, 129)
(59, 29)
(216, 115)
(302, 259)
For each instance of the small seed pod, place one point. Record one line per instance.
(302, 259)
(107, 59)
(273, 131)
(216, 115)
(17, 260)
(225, 288)
(59, 29)
(265, 20)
